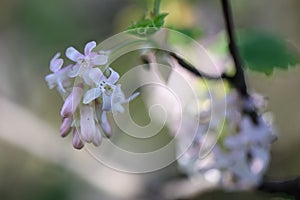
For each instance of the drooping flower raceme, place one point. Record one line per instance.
(240, 156)
(90, 98)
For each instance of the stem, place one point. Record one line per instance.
(238, 79)
(156, 7)
(193, 70)
(290, 187)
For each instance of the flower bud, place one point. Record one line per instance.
(77, 143)
(87, 123)
(72, 101)
(98, 136)
(65, 127)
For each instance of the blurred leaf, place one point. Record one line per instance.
(263, 52)
(260, 51)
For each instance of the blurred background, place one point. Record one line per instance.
(35, 163)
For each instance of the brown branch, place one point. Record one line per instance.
(290, 187)
(186, 65)
(238, 80)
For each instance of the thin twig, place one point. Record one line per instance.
(289, 187)
(238, 80)
(186, 65)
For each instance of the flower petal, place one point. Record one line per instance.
(91, 95)
(65, 127)
(56, 63)
(51, 80)
(98, 136)
(86, 77)
(104, 123)
(73, 54)
(89, 47)
(106, 105)
(74, 71)
(87, 123)
(114, 77)
(96, 75)
(133, 96)
(100, 59)
(77, 143)
(60, 88)
(260, 160)
(117, 108)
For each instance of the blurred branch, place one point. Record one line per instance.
(193, 70)
(289, 187)
(238, 80)
(188, 66)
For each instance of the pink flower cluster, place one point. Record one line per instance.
(89, 94)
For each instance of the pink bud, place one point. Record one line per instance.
(77, 143)
(98, 136)
(72, 101)
(65, 127)
(87, 123)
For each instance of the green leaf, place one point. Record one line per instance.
(263, 52)
(146, 26)
(159, 20)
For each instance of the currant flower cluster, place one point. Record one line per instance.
(240, 156)
(89, 93)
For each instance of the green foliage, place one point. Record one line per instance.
(263, 52)
(148, 26)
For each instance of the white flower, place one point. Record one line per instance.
(56, 63)
(86, 61)
(103, 86)
(118, 99)
(259, 134)
(113, 102)
(241, 154)
(112, 96)
(59, 78)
